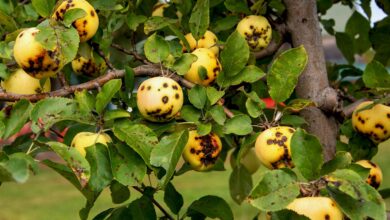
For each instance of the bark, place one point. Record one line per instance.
(304, 28)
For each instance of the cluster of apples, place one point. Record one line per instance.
(37, 62)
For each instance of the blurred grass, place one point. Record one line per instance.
(49, 196)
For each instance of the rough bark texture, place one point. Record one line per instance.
(303, 25)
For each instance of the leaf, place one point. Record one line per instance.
(43, 7)
(115, 114)
(6, 51)
(214, 95)
(156, 23)
(105, 95)
(358, 28)
(219, 208)
(173, 198)
(237, 6)
(345, 44)
(17, 119)
(200, 19)
(249, 74)
(354, 196)
(133, 20)
(72, 15)
(293, 120)
(189, 113)
(254, 109)
(156, 48)
(341, 160)
(139, 137)
(183, 64)
(75, 161)
(306, 153)
(142, 209)
(240, 184)
(218, 114)
(287, 215)
(239, 125)
(127, 166)
(284, 72)
(297, 105)
(376, 75)
(119, 193)
(85, 100)
(167, 154)
(235, 54)
(275, 191)
(198, 96)
(15, 168)
(97, 157)
(224, 24)
(4, 72)
(203, 128)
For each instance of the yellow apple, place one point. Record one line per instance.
(375, 176)
(159, 99)
(373, 122)
(33, 58)
(21, 83)
(85, 26)
(256, 30)
(86, 139)
(316, 208)
(209, 41)
(273, 147)
(208, 60)
(88, 66)
(202, 152)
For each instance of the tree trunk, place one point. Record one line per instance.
(303, 25)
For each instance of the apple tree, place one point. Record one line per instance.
(122, 90)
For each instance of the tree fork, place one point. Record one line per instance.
(303, 25)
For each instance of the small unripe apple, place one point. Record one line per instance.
(21, 83)
(159, 99)
(88, 66)
(373, 122)
(33, 58)
(208, 40)
(375, 176)
(202, 152)
(85, 26)
(316, 208)
(256, 30)
(86, 139)
(250, 161)
(209, 61)
(273, 147)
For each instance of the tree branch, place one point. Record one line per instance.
(129, 52)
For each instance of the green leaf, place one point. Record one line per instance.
(65, 172)
(72, 15)
(203, 128)
(43, 7)
(101, 176)
(127, 166)
(105, 95)
(85, 100)
(167, 154)
(15, 168)
(240, 184)
(237, 6)
(284, 73)
(376, 75)
(156, 48)
(328, 25)
(345, 44)
(219, 208)
(156, 23)
(6, 50)
(75, 161)
(189, 113)
(341, 160)
(198, 96)
(139, 137)
(275, 191)
(249, 74)
(18, 117)
(239, 125)
(115, 114)
(354, 196)
(173, 198)
(218, 114)
(141, 209)
(287, 215)
(306, 153)
(235, 54)
(214, 95)
(119, 193)
(200, 19)
(224, 24)
(183, 64)
(358, 28)
(293, 120)
(4, 72)
(133, 20)
(254, 109)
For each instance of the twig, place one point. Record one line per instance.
(158, 205)
(95, 46)
(348, 110)
(130, 52)
(61, 78)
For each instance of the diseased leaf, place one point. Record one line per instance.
(17, 119)
(156, 48)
